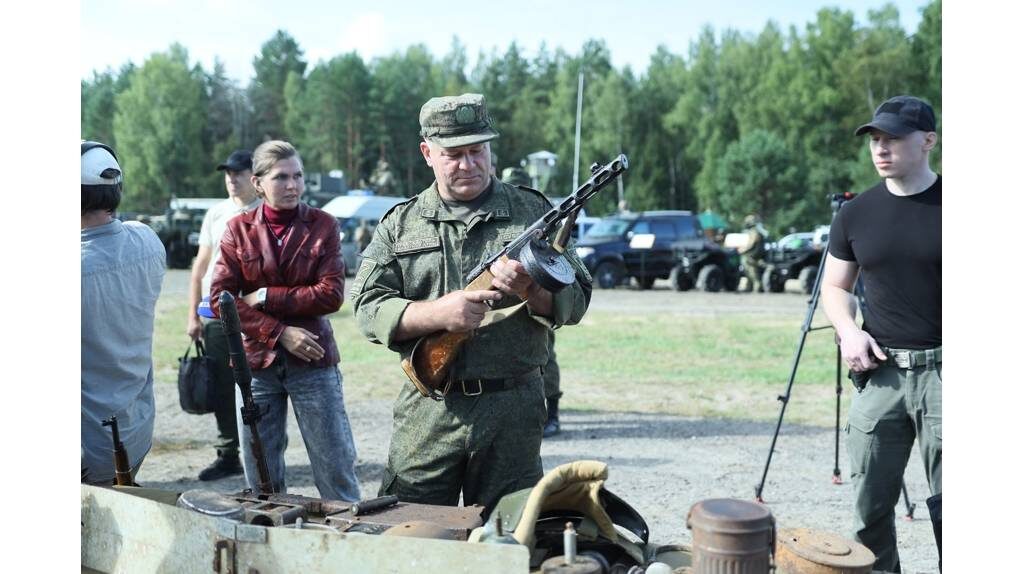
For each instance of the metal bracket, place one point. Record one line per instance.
(224, 548)
(230, 533)
(239, 532)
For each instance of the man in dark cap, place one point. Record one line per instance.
(483, 439)
(201, 320)
(892, 236)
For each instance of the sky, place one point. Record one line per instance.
(114, 32)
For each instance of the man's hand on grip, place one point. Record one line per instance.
(463, 310)
(860, 351)
(510, 277)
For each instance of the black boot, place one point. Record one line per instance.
(551, 426)
(223, 467)
(935, 511)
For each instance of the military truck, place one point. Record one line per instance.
(321, 188)
(178, 228)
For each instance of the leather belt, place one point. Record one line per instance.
(910, 358)
(474, 387)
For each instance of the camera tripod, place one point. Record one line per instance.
(837, 202)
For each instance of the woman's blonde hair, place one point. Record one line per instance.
(270, 152)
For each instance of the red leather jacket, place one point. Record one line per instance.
(306, 285)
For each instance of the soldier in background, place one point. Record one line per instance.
(382, 179)
(515, 176)
(362, 235)
(483, 440)
(752, 253)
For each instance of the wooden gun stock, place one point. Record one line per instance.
(433, 354)
(122, 468)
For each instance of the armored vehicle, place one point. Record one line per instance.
(178, 228)
(707, 266)
(792, 257)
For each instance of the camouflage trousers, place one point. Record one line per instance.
(753, 268)
(483, 446)
(552, 376)
(896, 406)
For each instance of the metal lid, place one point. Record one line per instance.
(803, 550)
(211, 503)
(729, 515)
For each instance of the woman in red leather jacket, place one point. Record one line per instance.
(284, 262)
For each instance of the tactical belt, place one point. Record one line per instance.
(473, 387)
(910, 358)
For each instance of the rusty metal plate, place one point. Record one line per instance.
(460, 520)
(806, 551)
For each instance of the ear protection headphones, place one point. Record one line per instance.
(109, 173)
(88, 145)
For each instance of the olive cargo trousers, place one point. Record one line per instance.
(897, 405)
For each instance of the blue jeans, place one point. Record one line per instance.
(320, 411)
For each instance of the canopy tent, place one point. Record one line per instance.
(711, 220)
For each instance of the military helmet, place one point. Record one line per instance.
(515, 176)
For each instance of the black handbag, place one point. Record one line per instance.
(196, 391)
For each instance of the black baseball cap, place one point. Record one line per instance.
(239, 160)
(900, 116)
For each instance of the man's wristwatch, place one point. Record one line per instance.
(261, 297)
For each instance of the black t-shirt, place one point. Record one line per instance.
(897, 242)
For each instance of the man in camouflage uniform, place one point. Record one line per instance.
(483, 439)
(752, 256)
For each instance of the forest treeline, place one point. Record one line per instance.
(742, 123)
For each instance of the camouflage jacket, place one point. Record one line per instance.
(419, 254)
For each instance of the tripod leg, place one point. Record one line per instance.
(837, 477)
(784, 398)
(906, 502)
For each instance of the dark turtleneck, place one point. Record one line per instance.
(280, 221)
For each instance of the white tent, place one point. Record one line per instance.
(371, 207)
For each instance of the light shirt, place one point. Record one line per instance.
(122, 271)
(214, 224)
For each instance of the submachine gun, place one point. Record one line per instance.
(243, 378)
(432, 356)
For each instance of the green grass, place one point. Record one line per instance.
(728, 366)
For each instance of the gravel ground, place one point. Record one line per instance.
(660, 464)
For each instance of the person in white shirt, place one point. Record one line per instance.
(201, 320)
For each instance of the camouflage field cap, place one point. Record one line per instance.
(455, 121)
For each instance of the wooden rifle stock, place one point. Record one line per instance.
(122, 468)
(433, 355)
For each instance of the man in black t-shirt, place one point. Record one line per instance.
(892, 236)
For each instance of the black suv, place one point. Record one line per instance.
(642, 245)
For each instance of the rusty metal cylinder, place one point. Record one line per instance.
(806, 551)
(731, 536)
